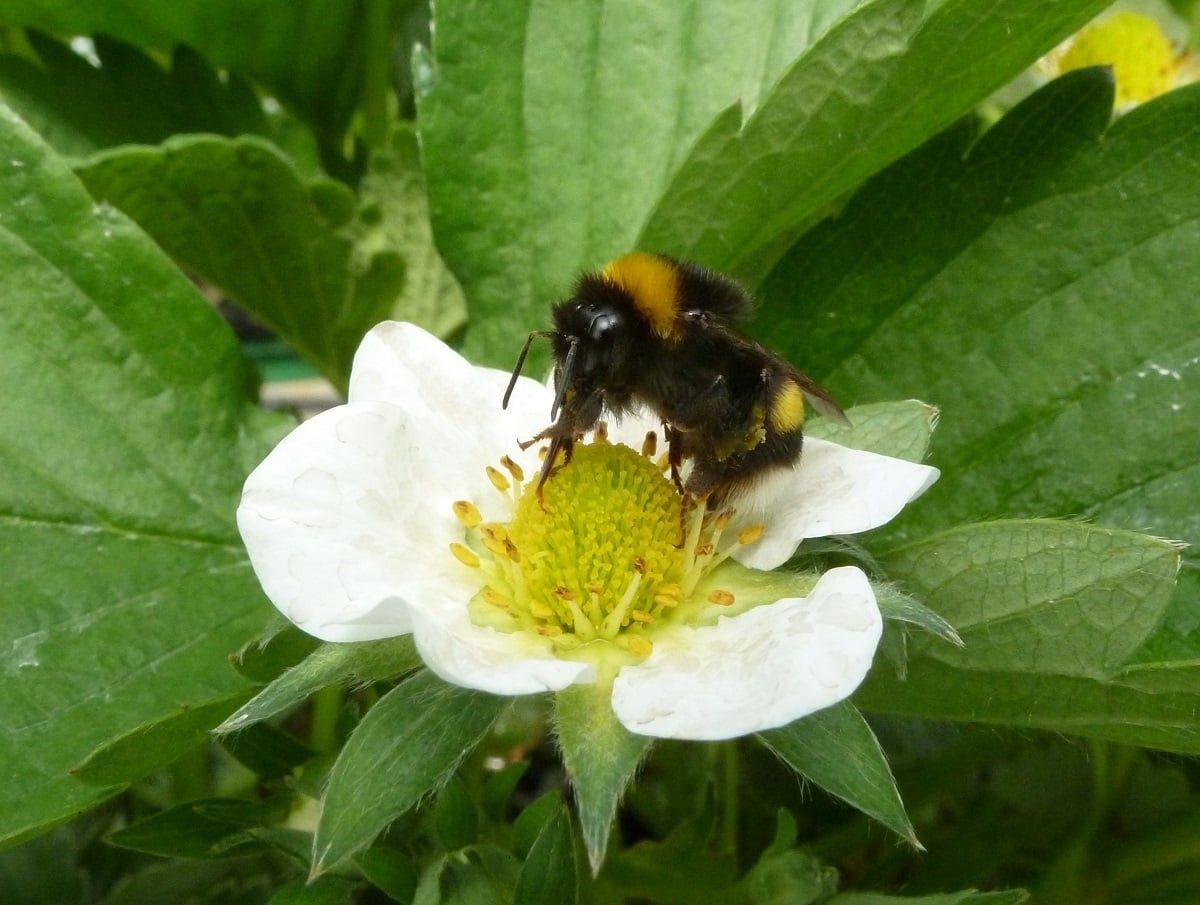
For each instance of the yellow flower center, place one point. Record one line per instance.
(1144, 63)
(604, 560)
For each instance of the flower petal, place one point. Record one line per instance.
(832, 490)
(482, 658)
(764, 668)
(344, 528)
(401, 364)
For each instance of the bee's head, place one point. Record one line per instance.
(591, 340)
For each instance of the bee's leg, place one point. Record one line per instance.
(674, 440)
(567, 446)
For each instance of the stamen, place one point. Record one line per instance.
(650, 444)
(601, 432)
(495, 546)
(466, 512)
(641, 616)
(465, 555)
(639, 647)
(749, 535)
(495, 598)
(499, 481)
(614, 620)
(514, 469)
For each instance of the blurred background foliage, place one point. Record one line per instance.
(929, 199)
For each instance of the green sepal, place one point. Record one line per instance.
(601, 757)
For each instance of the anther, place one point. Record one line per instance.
(499, 481)
(564, 593)
(514, 469)
(640, 565)
(595, 587)
(751, 534)
(465, 512)
(650, 445)
(601, 433)
(666, 600)
(494, 544)
(640, 647)
(549, 631)
(464, 555)
(704, 550)
(722, 521)
(721, 598)
(511, 551)
(641, 616)
(495, 598)
(540, 610)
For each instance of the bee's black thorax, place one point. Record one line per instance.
(653, 331)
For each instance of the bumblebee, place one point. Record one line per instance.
(651, 330)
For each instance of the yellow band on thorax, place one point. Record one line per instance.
(653, 284)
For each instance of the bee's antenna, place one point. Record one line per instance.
(521, 363)
(568, 366)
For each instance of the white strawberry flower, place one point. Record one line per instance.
(411, 509)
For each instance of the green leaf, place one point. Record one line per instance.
(407, 746)
(197, 829)
(587, 111)
(1049, 611)
(681, 869)
(887, 77)
(79, 108)
(787, 878)
(390, 870)
(281, 647)
(969, 897)
(1040, 596)
(455, 817)
(322, 891)
(395, 216)
(549, 875)
(836, 749)
(329, 664)
(601, 757)
(268, 751)
(260, 41)
(898, 429)
(1040, 288)
(533, 819)
(233, 882)
(127, 434)
(499, 789)
(238, 213)
(133, 755)
(480, 875)
(43, 870)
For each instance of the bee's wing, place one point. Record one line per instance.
(821, 400)
(817, 395)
